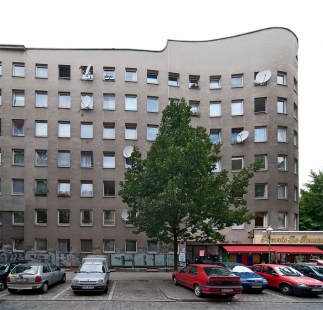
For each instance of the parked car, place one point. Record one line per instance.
(288, 279)
(31, 276)
(250, 280)
(317, 261)
(5, 269)
(208, 279)
(93, 275)
(309, 270)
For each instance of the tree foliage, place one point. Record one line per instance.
(173, 195)
(311, 203)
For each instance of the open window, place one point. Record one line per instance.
(87, 73)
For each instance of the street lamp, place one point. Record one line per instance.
(269, 231)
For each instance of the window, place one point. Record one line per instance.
(64, 130)
(152, 132)
(18, 158)
(215, 109)
(108, 245)
(194, 82)
(282, 220)
(281, 106)
(237, 107)
(0, 68)
(41, 158)
(261, 191)
(109, 160)
(109, 189)
(64, 158)
(295, 86)
(18, 69)
(64, 72)
(86, 159)
(195, 107)
(173, 99)
(87, 73)
(173, 79)
(260, 134)
(237, 163)
(263, 161)
(41, 71)
(282, 133)
(41, 99)
(18, 245)
(282, 162)
(86, 245)
(215, 82)
(152, 77)
(295, 111)
(41, 217)
(215, 136)
(63, 245)
(18, 98)
(0, 97)
(282, 191)
(152, 246)
(236, 226)
(131, 246)
(217, 167)
(64, 189)
(295, 166)
(131, 103)
(131, 132)
(236, 80)
(86, 130)
(41, 188)
(109, 102)
(0, 156)
(128, 163)
(18, 218)
(86, 189)
(108, 218)
(260, 219)
(109, 74)
(41, 129)
(87, 101)
(131, 75)
(0, 212)
(281, 78)
(295, 194)
(152, 104)
(108, 131)
(86, 217)
(64, 217)
(295, 221)
(41, 244)
(295, 139)
(18, 187)
(260, 105)
(64, 100)
(234, 135)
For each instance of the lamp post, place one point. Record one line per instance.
(269, 231)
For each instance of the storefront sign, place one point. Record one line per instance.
(289, 239)
(201, 252)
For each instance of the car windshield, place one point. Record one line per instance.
(238, 268)
(318, 269)
(27, 269)
(288, 271)
(3, 267)
(213, 271)
(91, 268)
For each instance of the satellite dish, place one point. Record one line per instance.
(86, 100)
(127, 151)
(87, 71)
(263, 76)
(243, 135)
(125, 215)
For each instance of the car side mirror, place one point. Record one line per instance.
(274, 273)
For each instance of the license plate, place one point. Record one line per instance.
(227, 290)
(256, 286)
(316, 289)
(21, 280)
(87, 287)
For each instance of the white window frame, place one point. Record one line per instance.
(38, 158)
(261, 134)
(63, 163)
(64, 188)
(152, 104)
(41, 71)
(18, 127)
(194, 82)
(215, 82)
(22, 182)
(41, 99)
(18, 215)
(126, 250)
(282, 220)
(264, 159)
(83, 217)
(109, 74)
(131, 75)
(86, 130)
(68, 214)
(237, 158)
(37, 215)
(215, 132)
(109, 131)
(15, 155)
(281, 78)
(152, 131)
(236, 107)
(152, 77)
(41, 129)
(234, 80)
(259, 103)
(109, 160)
(282, 162)
(110, 186)
(215, 108)
(64, 68)
(281, 106)
(104, 248)
(282, 191)
(131, 103)
(109, 102)
(86, 189)
(237, 227)
(265, 219)
(18, 69)
(218, 167)
(295, 221)
(282, 134)
(14, 244)
(261, 187)
(41, 244)
(234, 134)
(64, 130)
(66, 102)
(18, 98)
(86, 159)
(41, 185)
(195, 107)
(111, 221)
(173, 79)
(131, 132)
(82, 103)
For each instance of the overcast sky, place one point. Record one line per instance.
(144, 24)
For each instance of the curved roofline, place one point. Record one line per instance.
(22, 47)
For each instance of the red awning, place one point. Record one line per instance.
(247, 249)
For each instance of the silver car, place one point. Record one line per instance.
(33, 276)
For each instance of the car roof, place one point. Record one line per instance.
(206, 265)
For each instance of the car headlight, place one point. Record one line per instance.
(243, 280)
(100, 281)
(75, 281)
(301, 284)
(265, 281)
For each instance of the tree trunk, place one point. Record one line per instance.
(175, 253)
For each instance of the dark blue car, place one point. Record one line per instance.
(250, 280)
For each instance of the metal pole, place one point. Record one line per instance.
(268, 249)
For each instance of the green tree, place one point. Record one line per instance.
(311, 203)
(173, 195)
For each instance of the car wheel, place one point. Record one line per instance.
(197, 291)
(286, 289)
(2, 286)
(44, 288)
(175, 281)
(12, 291)
(63, 280)
(106, 289)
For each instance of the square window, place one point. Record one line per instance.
(281, 78)
(152, 77)
(260, 105)
(131, 103)
(108, 131)
(215, 109)
(295, 111)
(194, 82)
(18, 69)
(41, 100)
(86, 245)
(281, 106)
(131, 132)
(282, 220)
(18, 98)
(237, 163)
(41, 188)
(109, 102)
(282, 162)
(152, 246)
(131, 75)
(87, 73)
(64, 72)
(41, 129)
(40, 158)
(263, 161)
(282, 191)
(41, 217)
(109, 189)
(152, 104)
(87, 101)
(86, 130)
(41, 244)
(195, 107)
(41, 71)
(295, 138)
(282, 134)
(260, 219)
(64, 130)
(18, 187)
(64, 158)
(152, 132)
(109, 74)
(173, 79)
(108, 246)
(86, 159)
(18, 245)
(64, 217)
(86, 217)
(18, 218)
(63, 245)
(237, 107)
(217, 167)
(18, 157)
(235, 138)
(260, 134)
(215, 136)
(237, 80)
(86, 189)
(131, 246)
(64, 100)
(64, 189)
(108, 218)
(109, 160)
(215, 82)
(261, 191)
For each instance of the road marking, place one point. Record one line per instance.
(61, 293)
(112, 290)
(5, 294)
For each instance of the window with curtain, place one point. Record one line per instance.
(282, 133)
(260, 134)
(86, 159)
(131, 103)
(108, 131)
(64, 100)
(64, 130)
(152, 104)
(18, 187)
(131, 132)
(18, 157)
(41, 100)
(41, 129)
(109, 102)
(18, 127)
(109, 160)
(64, 158)
(237, 107)
(215, 109)
(87, 130)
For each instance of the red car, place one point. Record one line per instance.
(288, 279)
(208, 279)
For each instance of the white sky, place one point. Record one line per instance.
(147, 24)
